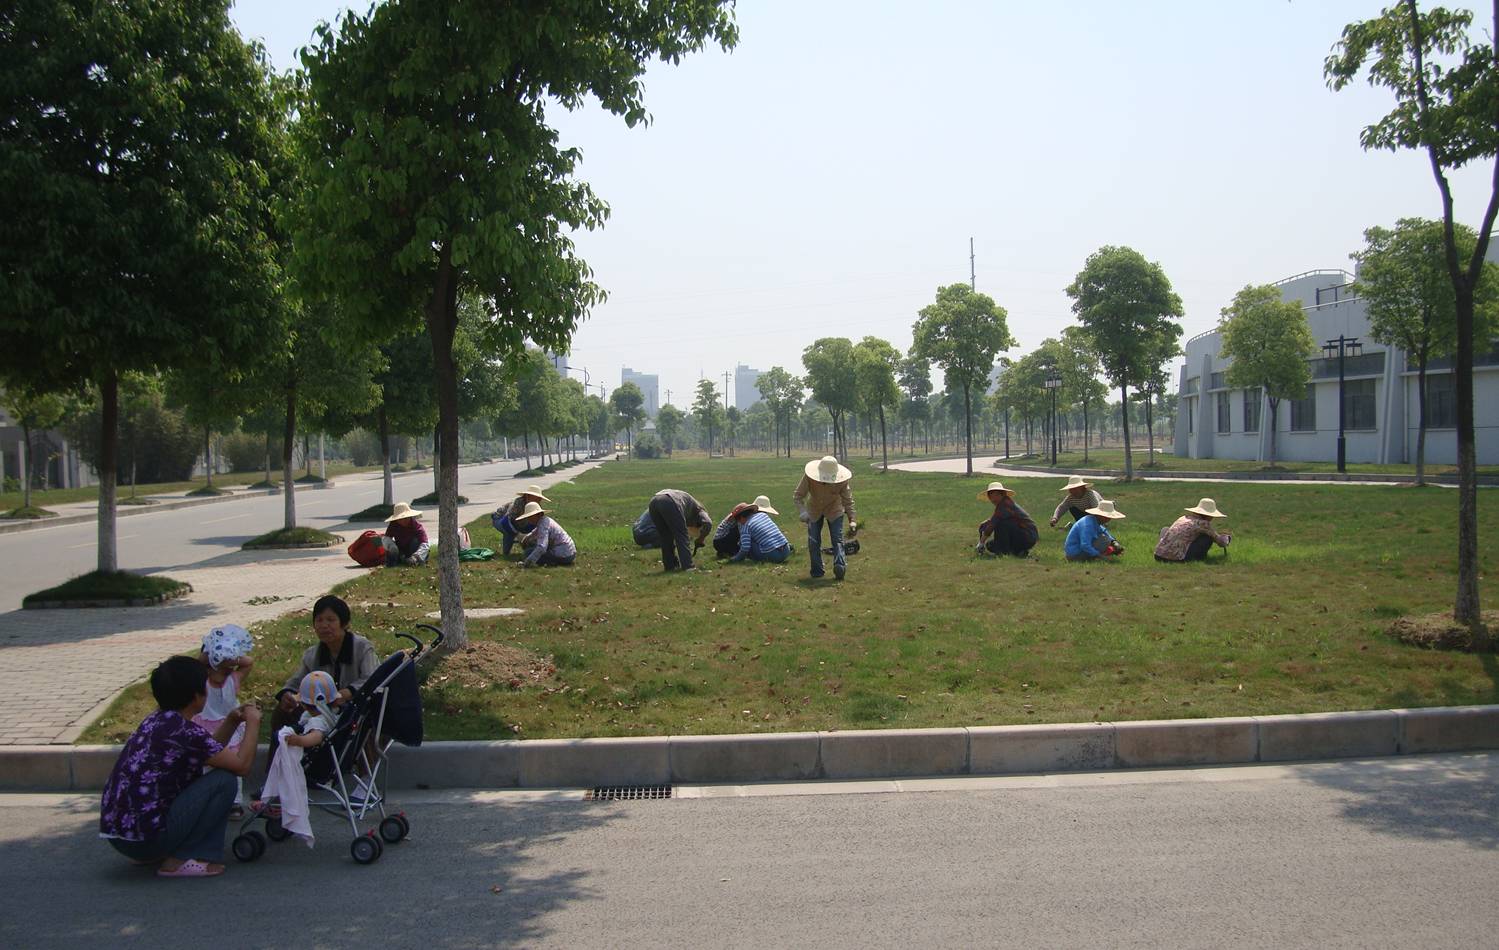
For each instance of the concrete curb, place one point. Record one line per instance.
(1242, 476)
(801, 756)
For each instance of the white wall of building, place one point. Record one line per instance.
(745, 393)
(650, 387)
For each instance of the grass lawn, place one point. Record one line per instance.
(924, 632)
(1113, 458)
(292, 537)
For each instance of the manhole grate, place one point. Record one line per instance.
(626, 793)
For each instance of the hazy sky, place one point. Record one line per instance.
(824, 178)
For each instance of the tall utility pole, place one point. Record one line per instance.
(725, 390)
(973, 278)
(668, 397)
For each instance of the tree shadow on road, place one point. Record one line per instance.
(471, 875)
(36, 628)
(1454, 798)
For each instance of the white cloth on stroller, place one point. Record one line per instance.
(286, 781)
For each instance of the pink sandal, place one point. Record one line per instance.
(192, 867)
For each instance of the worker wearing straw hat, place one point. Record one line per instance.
(1079, 497)
(545, 543)
(824, 495)
(504, 518)
(760, 538)
(1190, 537)
(1089, 539)
(408, 538)
(1009, 530)
(673, 511)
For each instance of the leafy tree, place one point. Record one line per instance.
(628, 405)
(731, 420)
(916, 380)
(1403, 279)
(133, 155)
(782, 392)
(33, 412)
(707, 409)
(829, 364)
(669, 426)
(1449, 111)
(963, 331)
(1127, 306)
(1269, 342)
(875, 364)
(600, 430)
(1080, 372)
(439, 173)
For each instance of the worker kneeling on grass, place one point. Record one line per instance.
(1009, 530)
(760, 539)
(1192, 536)
(1089, 539)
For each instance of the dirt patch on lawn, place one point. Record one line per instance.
(484, 664)
(1441, 632)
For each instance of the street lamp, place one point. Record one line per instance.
(1053, 382)
(1342, 347)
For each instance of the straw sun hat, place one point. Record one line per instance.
(533, 492)
(531, 510)
(403, 510)
(1075, 481)
(1106, 509)
(996, 486)
(762, 503)
(827, 470)
(1207, 507)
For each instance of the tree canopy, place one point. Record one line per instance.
(1268, 340)
(963, 331)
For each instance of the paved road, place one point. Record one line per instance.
(1388, 853)
(161, 541)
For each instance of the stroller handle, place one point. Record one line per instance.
(419, 646)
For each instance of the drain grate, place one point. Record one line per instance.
(626, 793)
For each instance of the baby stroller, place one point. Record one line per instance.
(389, 707)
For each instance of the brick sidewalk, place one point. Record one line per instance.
(59, 669)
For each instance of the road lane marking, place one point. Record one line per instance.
(221, 520)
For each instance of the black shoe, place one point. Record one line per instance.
(839, 571)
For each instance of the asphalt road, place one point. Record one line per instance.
(1388, 853)
(158, 541)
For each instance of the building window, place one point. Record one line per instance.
(1252, 409)
(1215, 381)
(1190, 404)
(1304, 411)
(1441, 401)
(1223, 412)
(1192, 385)
(1365, 364)
(1358, 404)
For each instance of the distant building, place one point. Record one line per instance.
(649, 384)
(745, 393)
(49, 451)
(1380, 409)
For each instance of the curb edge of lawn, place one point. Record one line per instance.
(1244, 476)
(865, 754)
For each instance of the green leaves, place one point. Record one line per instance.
(1268, 341)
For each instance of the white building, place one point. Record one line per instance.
(1381, 412)
(745, 393)
(650, 386)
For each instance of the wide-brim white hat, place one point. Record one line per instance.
(403, 510)
(762, 502)
(1075, 481)
(827, 470)
(531, 510)
(1106, 509)
(996, 486)
(534, 492)
(1207, 507)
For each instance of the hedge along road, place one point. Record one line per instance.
(161, 541)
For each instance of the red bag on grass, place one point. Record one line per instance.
(368, 549)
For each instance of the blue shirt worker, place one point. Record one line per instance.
(1089, 538)
(759, 537)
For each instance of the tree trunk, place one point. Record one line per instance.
(208, 458)
(307, 453)
(968, 428)
(1421, 422)
(268, 457)
(436, 466)
(1274, 405)
(884, 445)
(1466, 609)
(1150, 432)
(442, 323)
(526, 442)
(109, 448)
(1129, 462)
(390, 488)
(24, 468)
(1085, 431)
(288, 444)
(322, 456)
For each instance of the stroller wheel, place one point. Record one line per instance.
(275, 830)
(394, 829)
(247, 847)
(366, 849)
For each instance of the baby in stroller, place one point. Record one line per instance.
(341, 751)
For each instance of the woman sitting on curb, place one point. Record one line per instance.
(1079, 497)
(1009, 530)
(159, 805)
(1089, 538)
(545, 543)
(1190, 537)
